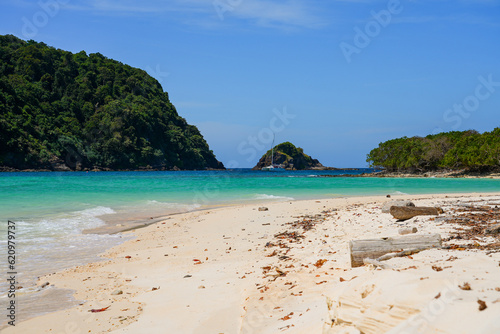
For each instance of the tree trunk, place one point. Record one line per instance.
(407, 212)
(374, 248)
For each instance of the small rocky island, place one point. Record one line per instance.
(289, 157)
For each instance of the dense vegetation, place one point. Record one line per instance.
(289, 156)
(451, 150)
(59, 109)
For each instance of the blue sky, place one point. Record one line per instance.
(335, 77)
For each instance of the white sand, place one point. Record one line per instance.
(228, 292)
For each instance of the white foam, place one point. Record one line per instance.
(173, 205)
(398, 193)
(266, 196)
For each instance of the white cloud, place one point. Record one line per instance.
(275, 14)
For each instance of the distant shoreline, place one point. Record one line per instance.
(462, 173)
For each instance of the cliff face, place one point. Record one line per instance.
(65, 111)
(289, 157)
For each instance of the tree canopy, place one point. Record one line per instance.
(88, 111)
(289, 156)
(450, 150)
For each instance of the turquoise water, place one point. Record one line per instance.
(28, 196)
(52, 209)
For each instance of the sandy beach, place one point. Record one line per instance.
(287, 270)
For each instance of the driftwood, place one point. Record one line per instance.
(400, 254)
(375, 248)
(407, 212)
(386, 208)
(377, 263)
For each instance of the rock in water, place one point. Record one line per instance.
(407, 212)
(387, 206)
(289, 157)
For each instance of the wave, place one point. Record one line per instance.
(398, 193)
(266, 196)
(173, 205)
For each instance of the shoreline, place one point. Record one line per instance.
(230, 220)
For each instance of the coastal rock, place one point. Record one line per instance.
(289, 157)
(407, 212)
(387, 206)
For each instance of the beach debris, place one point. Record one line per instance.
(188, 276)
(482, 305)
(44, 285)
(263, 208)
(437, 268)
(117, 292)
(465, 286)
(128, 257)
(407, 212)
(196, 261)
(201, 287)
(407, 230)
(99, 309)
(320, 263)
(376, 248)
(287, 317)
(154, 289)
(377, 264)
(495, 229)
(475, 223)
(386, 208)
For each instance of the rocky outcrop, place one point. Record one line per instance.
(289, 157)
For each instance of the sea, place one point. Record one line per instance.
(56, 214)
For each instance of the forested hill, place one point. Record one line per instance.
(451, 150)
(60, 111)
(289, 156)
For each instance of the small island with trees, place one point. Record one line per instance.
(289, 157)
(455, 153)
